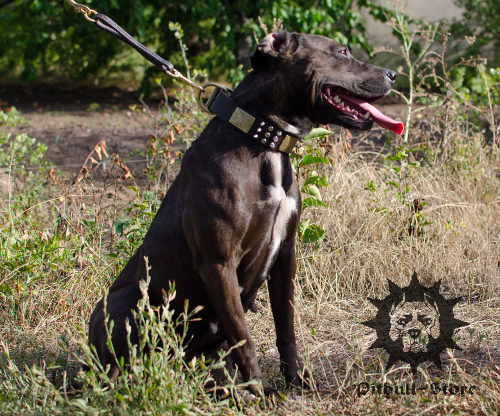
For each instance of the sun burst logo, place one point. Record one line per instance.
(414, 324)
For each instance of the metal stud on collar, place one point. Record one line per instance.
(256, 128)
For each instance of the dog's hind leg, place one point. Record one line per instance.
(119, 307)
(218, 375)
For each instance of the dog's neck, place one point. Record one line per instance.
(266, 97)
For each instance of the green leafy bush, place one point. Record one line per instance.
(305, 163)
(480, 23)
(478, 84)
(131, 231)
(44, 37)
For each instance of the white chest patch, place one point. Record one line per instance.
(286, 208)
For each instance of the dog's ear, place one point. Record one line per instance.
(397, 305)
(274, 46)
(432, 303)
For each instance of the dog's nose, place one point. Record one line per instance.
(414, 332)
(391, 75)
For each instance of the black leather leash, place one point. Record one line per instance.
(105, 23)
(108, 25)
(219, 103)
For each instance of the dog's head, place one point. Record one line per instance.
(415, 324)
(337, 88)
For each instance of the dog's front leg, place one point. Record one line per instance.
(281, 288)
(221, 284)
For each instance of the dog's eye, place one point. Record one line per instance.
(425, 320)
(343, 51)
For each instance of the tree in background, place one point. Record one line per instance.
(44, 38)
(481, 19)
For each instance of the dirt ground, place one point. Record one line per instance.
(70, 121)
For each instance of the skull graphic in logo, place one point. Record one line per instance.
(415, 323)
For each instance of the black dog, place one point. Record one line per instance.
(229, 220)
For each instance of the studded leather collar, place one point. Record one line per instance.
(256, 128)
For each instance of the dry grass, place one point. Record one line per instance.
(363, 247)
(366, 241)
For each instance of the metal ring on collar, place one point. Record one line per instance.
(217, 87)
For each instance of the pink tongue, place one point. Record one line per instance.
(380, 118)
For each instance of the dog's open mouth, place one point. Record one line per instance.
(358, 108)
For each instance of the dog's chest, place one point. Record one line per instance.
(281, 206)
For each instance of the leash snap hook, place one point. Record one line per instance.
(177, 75)
(85, 10)
(217, 88)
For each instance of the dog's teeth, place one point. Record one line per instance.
(347, 108)
(341, 103)
(336, 99)
(367, 115)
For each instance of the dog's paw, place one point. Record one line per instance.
(272, 392)
(263, 389)
(298, 377)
